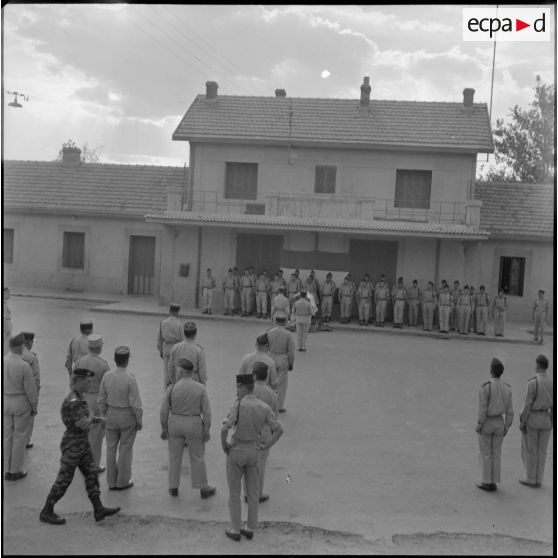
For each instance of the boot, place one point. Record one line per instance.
(99, 510)
(47, 513)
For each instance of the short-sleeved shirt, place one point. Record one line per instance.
(398, 293)
(171, 331)
(79, 347)
(18, 379)
(540, 306)
(495, 399)
(195, 354)
(259, 356)
(328, 288)
(414, 293)
(208, 282)
(97, 365)
(119, 389)
(30, 357)
(187, 398)
(539, 396)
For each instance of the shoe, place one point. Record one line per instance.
(530, 484)
(113, 488)
(282, 410)
(101, 470)
(233, 536)
(485, 486)
(50, 517)
(302, 349)
(204, 312)
(18, 476)
(207, 492)
(125, 487)
(101, 513)
(29, 445)
(264, 498)
(248, 534)
(173, 491)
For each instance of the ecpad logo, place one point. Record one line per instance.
(506, 24)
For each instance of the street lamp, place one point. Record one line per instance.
(14, 103)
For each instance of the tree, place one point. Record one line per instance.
(525, 146)
(88, 155)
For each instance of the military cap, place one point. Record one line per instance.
(190, 327)
(230, 270)
(83, 372)
(28, 335)
(17, 340)
(245, 379)
(415, 281)
(94, 341)
(280, 319)
(541, 290)
(262, 339)
(281, 288)
(86, 323)
(122, 350)
(174, 307)
(185, 363)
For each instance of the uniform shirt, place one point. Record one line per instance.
(381, 292)
(481, 299)
(539, 396)
(445, 299)
(267, 395)
(78, 348)
(171, 331)
(97, 365)
(499, 303)
(398, 293)
(188, 398)
(345, 290)
(194, 353)
(311, 285)
(281, 346)
(293, 286)
(540, 306)
(260, 356)
(464, 300)
(246, 282)
(428, 295)
(302, 308)
(230, 282)
(208, 282)
(414, 293)
(363, 291)
(275, 284)
(280, 306)
(328, 288)
(19, 380)
(74, 408)
(30, 357)
(119, 389)
(262, 285)
(495, 398)
(455, 295)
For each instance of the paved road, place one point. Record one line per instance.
(379, 438)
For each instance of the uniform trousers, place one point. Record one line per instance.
(454, 317)
(534, 444)
(237, 301)
(166, 378)
(482, 318)
(364, 310)
(30, 431)
(327, 305)
(229, 300)
(246, 300)
(76, 452)
(380, 311)
(398, 307)
(97, 429)
(302, 328)
(261, 302)
(187, 430)
(282, 367)
(413, 312)
(7, 333)
(464, 318)
(207, 295)
(121, 433)
(490, 444)
(345, 306)
(499, 321)
(540, 322)
(427, 315)
(242, 461)
(444, 318)
(17, 420)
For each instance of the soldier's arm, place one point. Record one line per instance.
(291, 351)
(164, 414)
(202, 370)
(36, 373)
(276, 431)
(509, 414)
(102, 398)
(483, 405)
(206, 412)
(171, 366)
(527, 405)
(69, 359)
(30, 388)
(273, 376)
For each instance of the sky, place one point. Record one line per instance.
(119, 77)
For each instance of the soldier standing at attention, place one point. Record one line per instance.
(246, 286)
(414, 295)
(328, 291)
(398, 294)
(464, 314)
(247, 417)
(473, 320)
(208, 284)
(237, 301)
(78, 345)
(282, 351)
(120, 402)
(280, 305)
(262, 288)
(282, 279)
(171, 332)
(274, 288)
(254, 278)
(6, 321)
(540, 313)
(499, 308)
(190, 350)
(345, 297)
(260, 355)
(445, 303)
(381, 294)
(535, 423)
(185, 421)
(353, 296)
(20, 404)
(302, 316)
(229, 292)
(293, 287)
(364, 294)
(99, 366)
(481, 305)
(76, 452)
(495, 402)
(454, 317)
(30, 357)
(428, 304)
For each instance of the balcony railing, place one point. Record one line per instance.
(334, 206)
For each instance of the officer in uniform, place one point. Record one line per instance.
(364, 294)
(208, 284)
(328, 291)
(20, 404)
(399, 295)
(120, 402)
(481, 307)
(171, 332)
(464, 312)
(76, 452)
(260, 355)
(254, 278)
(99, 366)
(345, 297)
(499, 309)
(229, 291)
(302, 317)
(381, 293)
(275, 284)
(293, 287)
(78, 345)
(454, 314)
(353, 297)
(473, 320)
(262, 289)
(445, 302)
(495, 403)
(6, 321)
(237, 301)
(185, 421)
(428, 305)
(190, 350)
(282, 351)
(246, 287)
(540, 313)
(280, 305)
(247, 418)
(30, 357)
(414, 295)
(535, 423)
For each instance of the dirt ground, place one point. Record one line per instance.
(379, 454)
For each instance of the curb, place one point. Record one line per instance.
(69, 298)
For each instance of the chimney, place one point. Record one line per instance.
(365, 92)
(468, 96)
(280, 93)
(71, 157)
(211, 89)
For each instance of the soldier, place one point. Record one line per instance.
(208, 284)
(171, 332)
(473, 319)
(353, 296)
(428, 301)
(302, 317)
(464, 313)
(190, 350)
(20, 404)
(282, 351)
(293, 287)
(237, 298)
(481, 307)
(345, 296)
(540, 312)
(76, 452)
(328, 291)
(99, 366)
(364, 295)
(499, 309)
(282, 279)
(78, 345)
(254, 278)
(260, 355)
(311, 283)
(274, 288)
(436, 317)
(454, 318)
(247, 417)
(230, 287)
(398, 295)
(246, 288)
(381, 294)
(445, 302)
(535, 423)
(280, 305)
(6, 322)
(495, 400)
(120, 402)
(185, 421)
(30, 357)
(262, 288)
(414, 295)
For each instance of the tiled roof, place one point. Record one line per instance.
(340, 121)
(386, 227)
(516, 209)
(93, 188)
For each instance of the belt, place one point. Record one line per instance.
(324, 295)
(186, 414)
(229, 288)
(465, 304)
(446, 305)
(399, 299)
(348, 296)
(262, 291)
(494, 416)
(246, 287)
(381, 299)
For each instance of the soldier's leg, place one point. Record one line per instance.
(361, 311)
(176, 449)
(112, 437)
(87, 466)
(234, 477)
(30, 432)
(22, 421)
(497, 440)
(125, 455)
(69, 460)
(541, 329)
(8, 434)
(96, 430)
(252, 492)
(485, 449)
(542, 445)
(196, 449)
(262, 462)
(366, 311)
(166, 377)
(299, 335)
(529, 453)
(282, 382)
(264, 303)
(305, 330)
(210, 299)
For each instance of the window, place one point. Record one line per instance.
(241, 181)
(8, 246)
(512, 272)
(73, 250)
(325, 180)
(412, 189)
